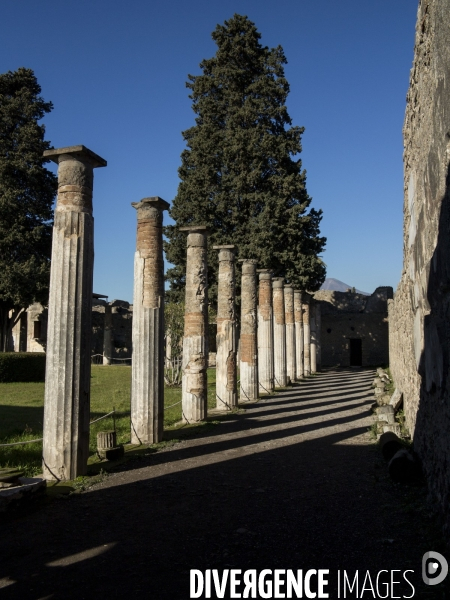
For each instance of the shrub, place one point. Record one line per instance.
(22, 366)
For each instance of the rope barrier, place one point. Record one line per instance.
(167, 407)
(41, 439)
(261, 385)
(223, 402)
(21, 443)
(104, 417)
(275, 379)
(245, 393)
(111, 358)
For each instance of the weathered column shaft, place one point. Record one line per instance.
(265, 333)
(313, 336)
(195, 343)
(279, 333)
(147, 369)
(318, 337)
(298, 318)
(68, 370)
(248, 338)
(226, 392)
(107, 335)
(306, 337)
(290, 332)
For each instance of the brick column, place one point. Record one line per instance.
(107, 335)
(147, 368)
(298, 318)
(248, 339)
(265, 333)
(68, 370)
(318, 336)
(226, 393)
(306, 335)
(195, 340)
(313, 336)
(290, 332)
(279, 333)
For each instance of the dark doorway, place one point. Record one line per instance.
(356, 353)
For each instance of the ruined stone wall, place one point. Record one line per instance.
(122, 317)
(25, 340)
(419, 315)
(346, 316)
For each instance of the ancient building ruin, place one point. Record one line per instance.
(419, 314)
(30, 332)
(354, 328)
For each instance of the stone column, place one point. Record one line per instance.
(298, 318)
(279, 333)
(248, 339)
(195, 340)
(107, 335)
(318, 336)
(290, 332)
(226, 393)
(306, 336)
(147, 366)
(265, 332)
(313, 336)
(68, 370)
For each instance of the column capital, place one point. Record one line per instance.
(278, 282)
(57, 155)
(265, 273)
(248, 266)
(202, 229)
(151, 202)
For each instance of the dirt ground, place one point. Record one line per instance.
(293, 482)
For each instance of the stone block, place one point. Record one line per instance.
(383, 399)
(390, 444)
(396, 400)
(404, 467)
(394, 428)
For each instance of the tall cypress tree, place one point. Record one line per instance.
(240, 173)
(27, 191)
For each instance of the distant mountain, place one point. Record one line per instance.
(338, 286)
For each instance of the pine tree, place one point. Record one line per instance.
(240, 173)
(27, 190)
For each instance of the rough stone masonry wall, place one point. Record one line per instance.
(419, 314)
(347, 315)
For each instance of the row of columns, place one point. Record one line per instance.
(278, 342)
(275, 342)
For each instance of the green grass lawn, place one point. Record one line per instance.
(22, 409)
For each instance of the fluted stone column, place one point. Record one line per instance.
(226, 392)
(306, 335)
(248, 338)
(279, 333)
(195, 342)
(290, 331)
(318, 336)
(265, 333)
(68, 370)
(298, 318)
(313, 336)
(107, 335)
(147, 367)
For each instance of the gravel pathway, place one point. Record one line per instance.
(292, 482)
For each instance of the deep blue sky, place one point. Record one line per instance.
(116, 71)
